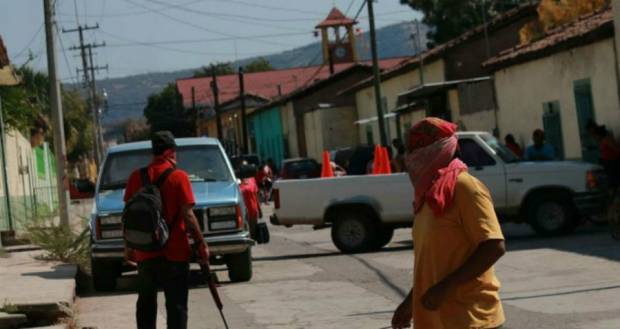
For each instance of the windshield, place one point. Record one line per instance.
(202, 163)
(500, 149)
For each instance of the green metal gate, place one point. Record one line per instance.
(585, 113)
(552, 124)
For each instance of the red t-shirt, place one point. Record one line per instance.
(176, 192)
(249, 189)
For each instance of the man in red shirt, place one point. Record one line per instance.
(169, 267)
(249, 190)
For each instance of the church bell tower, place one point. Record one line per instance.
(338, 38)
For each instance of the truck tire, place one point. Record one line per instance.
(613, 216)
(354, 232)
(551, 215)
(105, 273)
(384, 236)
(240, 266)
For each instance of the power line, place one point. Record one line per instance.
(186, 41)
(200, 27)
(36, 34)
(234, 17)
(134, 13)
(283, 9)
(349, 7)
(64, 52)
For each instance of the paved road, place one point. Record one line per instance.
(302, 281)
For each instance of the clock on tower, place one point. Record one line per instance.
(338, 38)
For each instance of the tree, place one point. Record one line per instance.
(450, 18)
(136, 130)
(26, 106)
(224, 68)
(164, 111)
(260, 64)
(554, 13)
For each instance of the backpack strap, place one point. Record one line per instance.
(144, 174)
(162, 178)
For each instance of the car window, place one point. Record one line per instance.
(473, 154)
(302, 166)
(500, 149)
(202, 163)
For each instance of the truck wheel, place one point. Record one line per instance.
(552, 215)
(384, 236)
(613, 216)
(105, 274)
(240, 266)
(354, 232)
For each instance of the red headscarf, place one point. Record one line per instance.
(433, 170)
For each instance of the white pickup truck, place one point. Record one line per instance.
(363, 211)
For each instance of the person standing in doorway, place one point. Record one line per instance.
(512, 144)
(457, 238)
(169, 267)
(540, 150)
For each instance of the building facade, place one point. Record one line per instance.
(559, 84)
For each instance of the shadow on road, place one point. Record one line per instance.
(564, 293)
(126, 285)
(403, 245)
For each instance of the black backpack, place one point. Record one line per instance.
(144, 227)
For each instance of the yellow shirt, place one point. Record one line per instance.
(442, 245)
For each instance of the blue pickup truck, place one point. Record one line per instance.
(219, 208)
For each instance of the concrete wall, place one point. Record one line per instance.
(330, 129)
(365, 98)
(479, 121)
(522, 89)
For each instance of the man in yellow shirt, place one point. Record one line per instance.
(457, 238)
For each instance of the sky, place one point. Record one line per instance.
(163, 35)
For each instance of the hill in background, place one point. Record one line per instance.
(127, 96)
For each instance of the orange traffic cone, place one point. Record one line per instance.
(326, 168)
(376, 164)
(387, 167)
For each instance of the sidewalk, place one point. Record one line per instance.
(43, 291)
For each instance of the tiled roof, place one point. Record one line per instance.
(585, 30)
(528, 8)
(335, 18)
(269, 85)
(4, 57)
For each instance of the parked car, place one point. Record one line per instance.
(300, 168)
(359, 160)
(363, 211)
(252, 159)
(219, 207)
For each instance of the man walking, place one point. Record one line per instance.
(457, 238)
(169, 267)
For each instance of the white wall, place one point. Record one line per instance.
(365, 98)
(522, 89)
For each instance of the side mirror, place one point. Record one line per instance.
(247, 171)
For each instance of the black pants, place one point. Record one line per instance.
(173, 277)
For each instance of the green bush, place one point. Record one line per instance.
(61, 243)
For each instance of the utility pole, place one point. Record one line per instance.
(195, 113)
(418, 50)
(80, 29)
(89, 71)
(377, 74)
(244, 119)
(216, 103)
(57, 117)
(94, 101)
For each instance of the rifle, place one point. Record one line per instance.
(211, 280)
